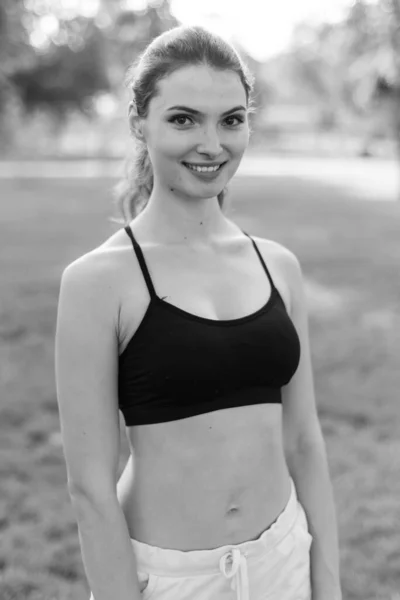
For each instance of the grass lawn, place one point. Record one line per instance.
(350, 253)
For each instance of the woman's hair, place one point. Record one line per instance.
(176, 48)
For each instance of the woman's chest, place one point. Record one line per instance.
(210, 288)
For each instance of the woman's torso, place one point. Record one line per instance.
(214, 478)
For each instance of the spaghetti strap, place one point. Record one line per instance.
(142, 262)
(261, 260)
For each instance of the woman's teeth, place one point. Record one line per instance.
(203, 169)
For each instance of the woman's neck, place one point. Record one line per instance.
(191, 220)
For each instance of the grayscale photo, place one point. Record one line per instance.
(200, 300)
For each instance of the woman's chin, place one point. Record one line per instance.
(207, 194)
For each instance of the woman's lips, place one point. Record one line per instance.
(205, 174)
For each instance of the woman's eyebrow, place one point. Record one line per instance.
(197, 112)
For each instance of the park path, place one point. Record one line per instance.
(371, 178)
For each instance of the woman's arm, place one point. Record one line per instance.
(107, 552)
(309, 469)
(86, 362)
(306, 453)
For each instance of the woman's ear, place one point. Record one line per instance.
(135, 122)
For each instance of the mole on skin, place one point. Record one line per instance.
(232, 511)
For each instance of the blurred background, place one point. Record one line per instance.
(327, 72)
(321, 176)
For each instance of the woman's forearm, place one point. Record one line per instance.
(107, 551)
(310, 472)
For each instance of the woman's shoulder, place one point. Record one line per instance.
(92, 268)
(97, 273)
(100, 262)
(284, 264)
(282, 255)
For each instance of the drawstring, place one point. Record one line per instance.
(239, 568)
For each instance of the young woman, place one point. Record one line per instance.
(198, 334)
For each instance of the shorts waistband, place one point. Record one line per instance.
(175, 563)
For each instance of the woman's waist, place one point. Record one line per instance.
(232, 557)
(204, 511)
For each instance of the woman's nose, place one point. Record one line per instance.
(210, 142)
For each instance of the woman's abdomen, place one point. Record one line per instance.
(221, 481)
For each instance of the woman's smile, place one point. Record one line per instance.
(204, 171)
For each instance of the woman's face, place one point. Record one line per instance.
(198, 118)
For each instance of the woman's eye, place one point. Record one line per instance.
(181, 120)
(239, 119)
(178, 119)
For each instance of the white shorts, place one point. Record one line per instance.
(275, 566)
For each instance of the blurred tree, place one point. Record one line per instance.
(59, 75)
(62, 68)
(355, 65)
(130, 31)
(67, 75)
(344, 64)
(14, 45)
(262, 91)
(316, 63)
(393, 87)
(375, 67)
(15, 48)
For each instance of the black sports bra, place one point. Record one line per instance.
(178, 364)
